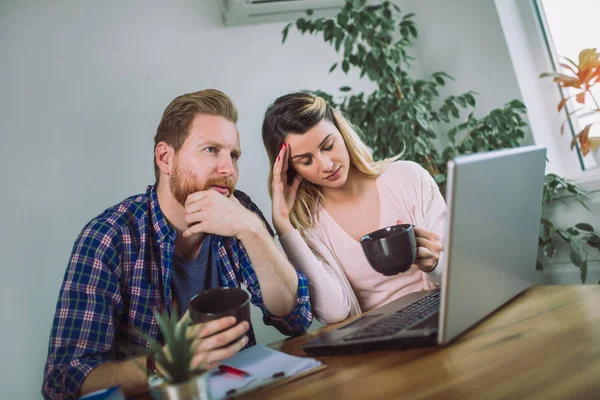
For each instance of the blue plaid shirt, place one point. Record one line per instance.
(120, 270)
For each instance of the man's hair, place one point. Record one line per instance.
(177, 119)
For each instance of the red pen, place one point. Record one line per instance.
(232, 370)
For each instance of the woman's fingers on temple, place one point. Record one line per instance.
(296, 182)
(285, 157)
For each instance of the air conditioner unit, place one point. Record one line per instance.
(246, 12)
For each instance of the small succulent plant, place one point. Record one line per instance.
(176, 356)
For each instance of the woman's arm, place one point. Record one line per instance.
(331, 297)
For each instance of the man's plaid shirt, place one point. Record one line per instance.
(120, 270)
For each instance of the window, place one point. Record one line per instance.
(535, 32)
(570, 27)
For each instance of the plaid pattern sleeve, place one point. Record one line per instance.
(119, 271)
(83, 330)
(299, 320)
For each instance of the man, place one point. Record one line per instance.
(190, 232)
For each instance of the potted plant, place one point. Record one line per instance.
(408, 116)
(580, 238)
(577, 82)
(176, 380)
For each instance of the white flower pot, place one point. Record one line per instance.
(192, 389)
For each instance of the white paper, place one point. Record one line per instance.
(261, 363)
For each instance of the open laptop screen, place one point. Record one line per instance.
(494, 202)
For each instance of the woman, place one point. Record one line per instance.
(327, 193)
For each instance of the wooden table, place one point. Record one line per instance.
(544, 344)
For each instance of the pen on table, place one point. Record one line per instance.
(231, 370)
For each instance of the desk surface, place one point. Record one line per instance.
(543, 344)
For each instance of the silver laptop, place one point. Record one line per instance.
(494, 207)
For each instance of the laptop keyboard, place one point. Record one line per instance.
(401, 319)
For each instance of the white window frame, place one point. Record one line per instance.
(529, 55)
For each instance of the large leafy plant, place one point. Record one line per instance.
(175, 358)
(409, 116)
(580, 238)
(578, 80)
(406, 115)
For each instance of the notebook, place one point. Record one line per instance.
(267, 367)
(494, 208)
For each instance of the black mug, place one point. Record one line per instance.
(220, 302)
(391, 250)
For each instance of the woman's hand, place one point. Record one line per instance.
(429, 248)
(283, 195)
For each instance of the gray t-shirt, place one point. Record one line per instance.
(192, 276)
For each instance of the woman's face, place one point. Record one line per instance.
(320, 155)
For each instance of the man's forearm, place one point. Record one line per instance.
(276, 276)
(131, 377)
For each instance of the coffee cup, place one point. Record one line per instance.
(220, 302)
(391, 250)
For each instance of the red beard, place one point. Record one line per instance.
(184, 184)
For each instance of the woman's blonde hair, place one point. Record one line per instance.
(296, 114)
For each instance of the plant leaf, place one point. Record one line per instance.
(575, 258)
(585, 227)
(549, 250)
(539, 266)
(562, 103)
(285, 31)
(573, 231)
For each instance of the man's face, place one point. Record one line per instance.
(207, 160)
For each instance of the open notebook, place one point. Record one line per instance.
(266, 367)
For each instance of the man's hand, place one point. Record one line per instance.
(210, 212)
(213, 347)
(429, 248)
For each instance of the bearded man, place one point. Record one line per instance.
(189, 232)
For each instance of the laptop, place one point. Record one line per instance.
(494, 207)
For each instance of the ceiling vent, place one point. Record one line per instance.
(246, 12)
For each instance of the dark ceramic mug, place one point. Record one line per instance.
(220, 302)
(391, 250)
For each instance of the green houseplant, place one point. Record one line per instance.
(580, 78)
(409, 116)
(576, 83)
(406, 115)
(177, 381)
(580, 238)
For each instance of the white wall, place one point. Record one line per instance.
(83, 86)
(464, 39)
